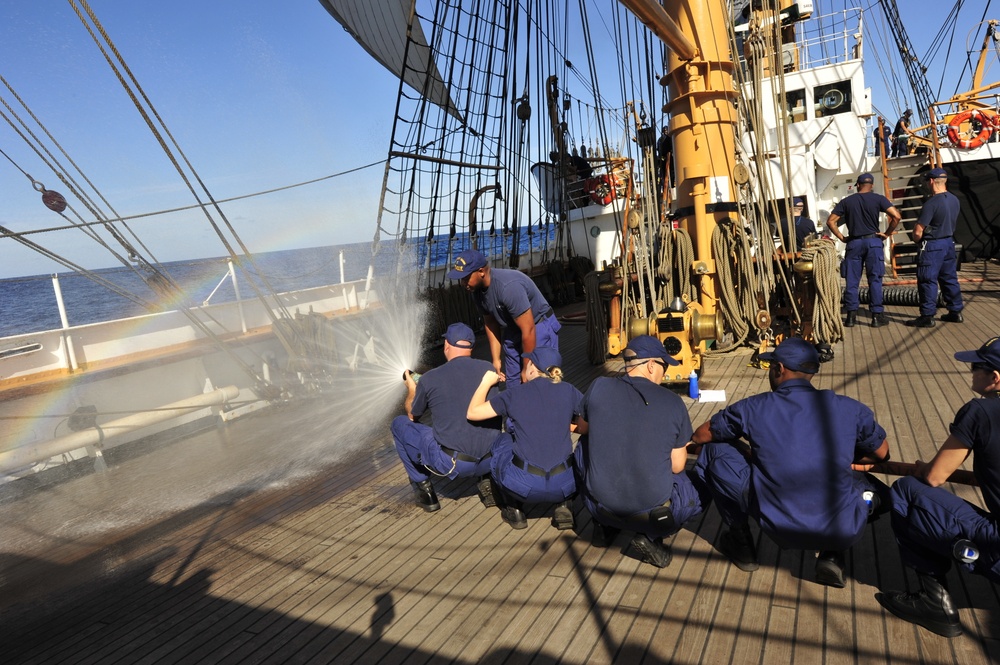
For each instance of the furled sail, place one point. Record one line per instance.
(380, 27)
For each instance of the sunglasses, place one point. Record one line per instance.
(661, 364)
(983, 366)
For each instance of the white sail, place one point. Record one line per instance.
(380, 27)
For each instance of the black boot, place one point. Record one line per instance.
(514, 516)
(562, 516)
(851, 320)
(485, 490)
(426, 498)
(604, 535)
(931, 607)
(737, 544)
(879, 319)
(921, 322)
(652, 551)
(830, 569)
(953, 317)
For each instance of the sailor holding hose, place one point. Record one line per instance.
(453, 447)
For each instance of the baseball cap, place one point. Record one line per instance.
(460, 335)
(644, 347)
(988, 353)
(866, 177)
(936, 173)
(795, 354)
(466, 263)
(544, 357)
(797, 201)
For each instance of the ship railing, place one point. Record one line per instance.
(965, 122)
(95, 345)
(828, 39)
(612, 177)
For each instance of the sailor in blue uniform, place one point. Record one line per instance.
(800, 228)
(632, 458)
(800, 478)
(453, 447)
(933, 525)
(533, 463)
(516, 314)
(937, 262)
(865, 250)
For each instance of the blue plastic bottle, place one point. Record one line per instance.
(965, 550)
(693, 391)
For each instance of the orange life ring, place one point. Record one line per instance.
(970, 116)
(602, 188)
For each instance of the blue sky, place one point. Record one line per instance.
(258, 93)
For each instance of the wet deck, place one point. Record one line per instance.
(339, 566)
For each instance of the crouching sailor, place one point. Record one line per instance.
(533, 463)
(801, 478)
(633, 455)
(933, 526)
(454, 447)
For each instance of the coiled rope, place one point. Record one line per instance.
(827, 325)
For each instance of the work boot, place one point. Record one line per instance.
(737, 544)
(953, 317)
(485, 490)
(879, 319)
(830, 569)
(426, 498)
(514, 516)
(931, 607)
(851, 320)
(604, 535)
(653, 552)
(562, 516)
(922, 322)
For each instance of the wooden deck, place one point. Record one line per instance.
(338, 565)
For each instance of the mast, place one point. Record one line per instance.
(915, 72)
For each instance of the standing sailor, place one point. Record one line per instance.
(865, 250)
(932, 525)
(454, 447)
(937, 262)
(516, 314)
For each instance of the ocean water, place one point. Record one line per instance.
(28, 304)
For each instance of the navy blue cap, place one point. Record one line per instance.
(988, 353)
(866, 177)
(936, 173)
(460, 335)
(795, 354)
(466, 263)
(544, 357)
(644, 347)
(797, 201)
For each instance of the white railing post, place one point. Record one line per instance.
(368, 286)
(236, 291)
(341, 266)
(69, 354)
